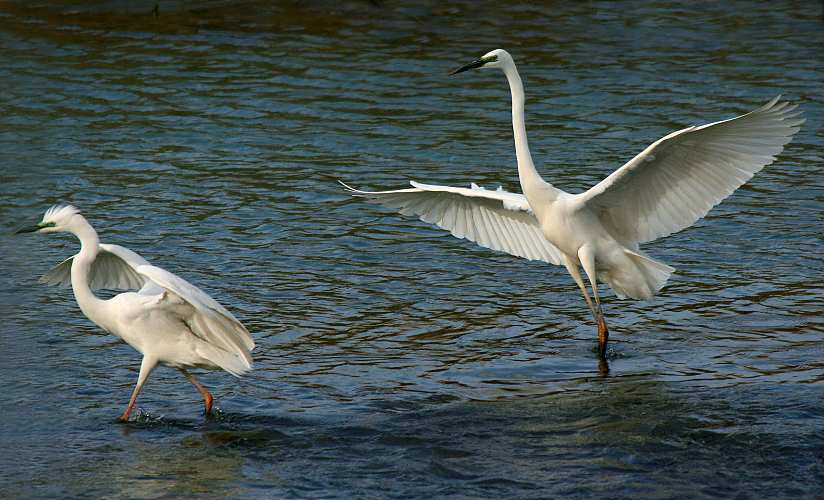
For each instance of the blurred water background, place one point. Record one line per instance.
(394, 360)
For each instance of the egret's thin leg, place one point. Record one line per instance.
(207, 397)
(587, 258)
(572, 268)
(146, 366)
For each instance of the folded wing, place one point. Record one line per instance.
(679, 178)
(227, 342)
(498, 220)
(209, 321)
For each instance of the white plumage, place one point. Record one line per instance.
(113, 269)
(666, 188)
(680, 177)
(498, 220)
(168, 320)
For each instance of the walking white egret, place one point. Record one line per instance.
(168, 320)
(666, 188)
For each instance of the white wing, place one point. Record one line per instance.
(498, 220)
(211, 322)
(117, 268)
(113, 269)
(679, 178)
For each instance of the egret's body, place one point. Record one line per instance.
(664, 189)
(168, 320)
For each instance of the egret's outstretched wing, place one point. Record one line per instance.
(498, 220)
(113, 269)
(679, 178)
(210, 321)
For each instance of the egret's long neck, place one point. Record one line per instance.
(81, 268)
(531, 180)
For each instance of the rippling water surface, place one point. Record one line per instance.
(394, 360)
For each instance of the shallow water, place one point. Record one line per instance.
(394, 360)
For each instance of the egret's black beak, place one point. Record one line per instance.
(28, 229)
(474, 64)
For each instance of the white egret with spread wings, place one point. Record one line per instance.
(167, 319)
(666, 188)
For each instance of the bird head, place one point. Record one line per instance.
(494, 59)
(56, 219)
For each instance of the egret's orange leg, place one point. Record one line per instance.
(207, 397)
(146, 366)
(587, 258)
(572, 268)
(603, 333)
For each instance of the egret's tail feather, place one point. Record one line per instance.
(644, 281)
(233, 362)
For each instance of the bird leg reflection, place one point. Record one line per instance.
(207, 397)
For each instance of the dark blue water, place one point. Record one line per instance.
(394, 360)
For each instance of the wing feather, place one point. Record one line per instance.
(212, 322)
(226, 341)
(498, 220)
(113, 269)
(680, 177)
